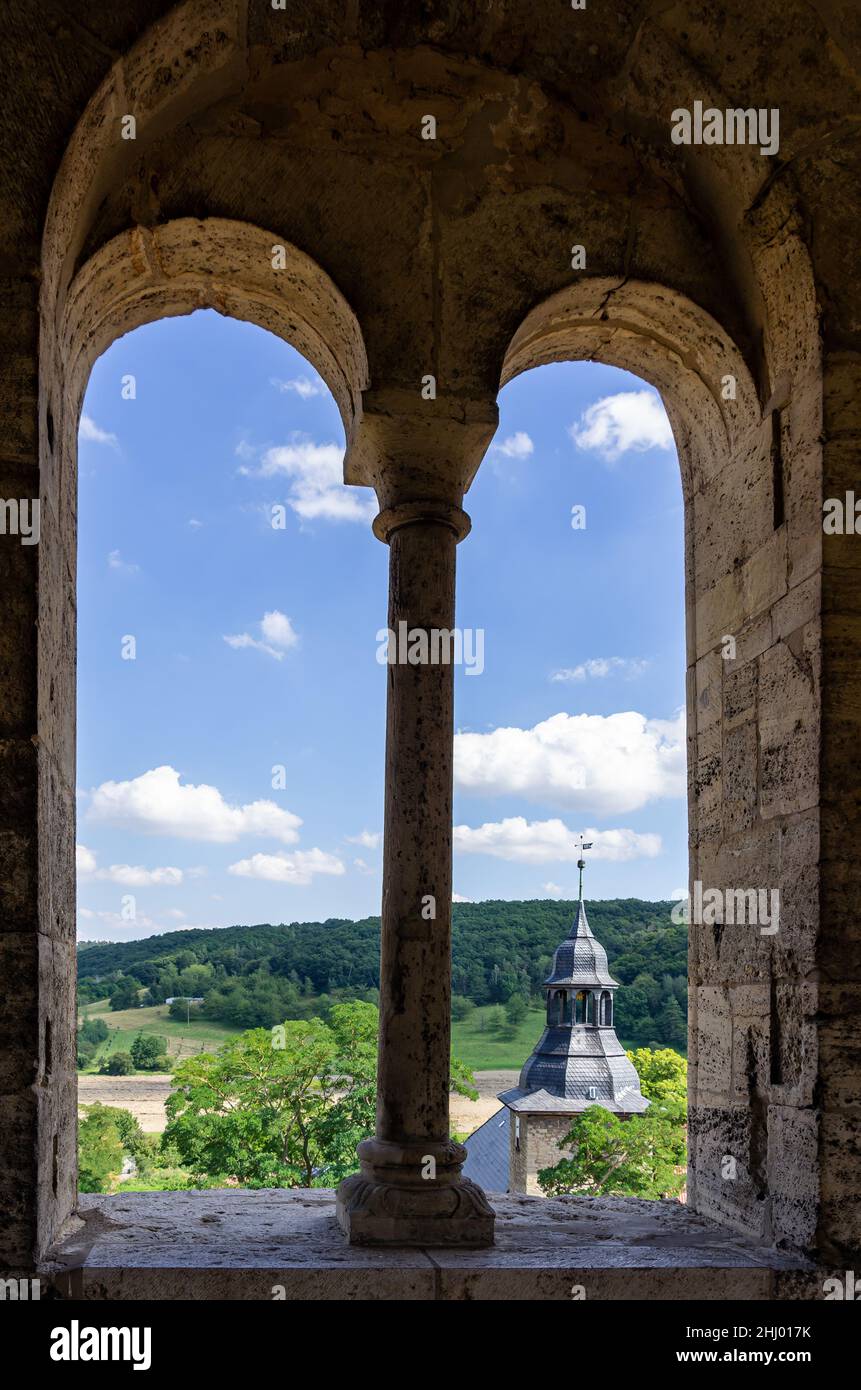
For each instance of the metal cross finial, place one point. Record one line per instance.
(581, 863)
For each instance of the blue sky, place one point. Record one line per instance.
(255, 646)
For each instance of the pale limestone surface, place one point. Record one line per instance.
(241, 1245)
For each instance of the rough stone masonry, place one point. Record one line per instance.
(278, 168)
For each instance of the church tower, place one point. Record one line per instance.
(577, 1062)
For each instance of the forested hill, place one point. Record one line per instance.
(263, 974)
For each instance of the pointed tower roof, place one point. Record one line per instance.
(580, 961)
(578, 1060)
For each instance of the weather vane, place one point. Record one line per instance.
(581, 863)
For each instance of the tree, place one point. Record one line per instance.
(352, 1115)
(284, 1107)
(253, 1111)
(100, 1149)
(643, 1156)
(663, 1074)
(639, 1157)
(124, 994)
(149, 1052)
(515, 1010)
(117, 1064)
(93, 1030)
(461, 1007)
(671, 1023)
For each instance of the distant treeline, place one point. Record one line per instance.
(261, 975)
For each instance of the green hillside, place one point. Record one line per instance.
(256, 976)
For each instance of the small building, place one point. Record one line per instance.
(577, 1062)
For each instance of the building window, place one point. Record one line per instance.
(593, 1092)
(580, 1007)
(607, 1009)
(517, 1133)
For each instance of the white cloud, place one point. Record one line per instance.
(157, 804)
(177, 913)
(90, 431)
(677, 894)
(302, 386)
(279, 636)
(112, 926)
(127, 875)
(317, 488)
(85, 860)
(459, 898)
(368, 839)
(603, 764)
(298, 868)
(515, 446)
(550, 841)
(116, 562)
(552, 890)
(631, 420)
(599, 666)
(194, 523)
(133, 876)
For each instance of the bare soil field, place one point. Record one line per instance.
(145, 1096)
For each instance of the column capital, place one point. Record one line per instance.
(418, 451)
(430, 512)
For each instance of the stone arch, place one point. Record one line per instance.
(658, 334)
(541, 143)
(752, 481)
(174, 268)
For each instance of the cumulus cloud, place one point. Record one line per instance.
(515, 446)
(459, 898)
(552, 890)
(629, 421)
(298, 868)
(113, 926)
(85, 861)
(368, 839)
(606, 764)
(597, 667)
(157, 803)
(90, 431)
(316, 475)
(126, 875)
(550, 841)
(302, 386)
(277, 636)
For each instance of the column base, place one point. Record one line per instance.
(391, 1203)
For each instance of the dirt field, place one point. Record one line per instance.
(145, 1096)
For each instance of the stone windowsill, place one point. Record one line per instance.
(230, 1244)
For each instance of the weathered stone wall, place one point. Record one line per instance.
(539, 1148)
(453, 257)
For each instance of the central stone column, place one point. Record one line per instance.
(410, 1190)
